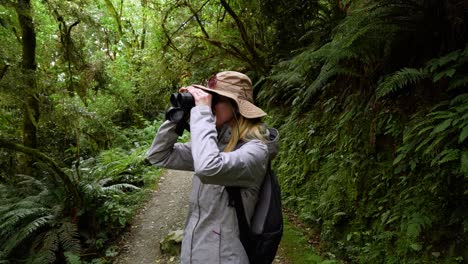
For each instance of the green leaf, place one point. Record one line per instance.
(399, 158)
(450, 155)
(458, 82)
(446, 73)
(413, 230)
(450, 72)
(416, 246)
(438, 76)
(463, 135)
(464, 163)
(442, 126)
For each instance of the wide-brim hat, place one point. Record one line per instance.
(238, 87)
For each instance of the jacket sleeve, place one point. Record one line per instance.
(244, 167)
(165, 152)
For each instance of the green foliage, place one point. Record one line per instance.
(399, 80)
(35, 222)
(109, 184)
(448, 67)
(369, 97)
(39, 221)
(376, 156)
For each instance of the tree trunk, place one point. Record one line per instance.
(31, 102)
(144, 3)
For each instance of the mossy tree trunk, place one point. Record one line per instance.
(31, 111)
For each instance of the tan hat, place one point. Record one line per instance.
(238, 87)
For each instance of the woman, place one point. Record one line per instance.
(229, 147)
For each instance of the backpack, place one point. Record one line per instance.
(262, 238)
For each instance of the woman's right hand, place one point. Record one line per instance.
(201, 97)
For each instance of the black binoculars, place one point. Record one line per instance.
(179, 112)
(181, 105)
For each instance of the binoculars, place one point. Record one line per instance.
(181, 103)
(179, 112)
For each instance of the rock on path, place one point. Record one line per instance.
(165, 211)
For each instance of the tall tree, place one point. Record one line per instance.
(31, 103)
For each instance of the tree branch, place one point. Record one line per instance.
(245, 38)
(115, 15)
(117, 19)
(169, 41)
(166, 32)
(231, 49)
(195, 14)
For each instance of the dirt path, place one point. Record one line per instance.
(165, 211)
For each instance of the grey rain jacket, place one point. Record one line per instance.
(211, 232)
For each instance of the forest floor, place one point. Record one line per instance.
(164, 212)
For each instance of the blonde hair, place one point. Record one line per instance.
(245, 129)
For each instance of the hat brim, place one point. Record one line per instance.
(246, 108)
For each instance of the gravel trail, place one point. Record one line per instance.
(164, 212)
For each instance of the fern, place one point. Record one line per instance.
(68, 237)
(399, 80)
(434, 132)
(463, 134)
(72, 258)
(14, 217)
(361, 38)
(47, 244)
(120, 187)
(25, 232)
(379, 179)
(36, 222)
(436, 69)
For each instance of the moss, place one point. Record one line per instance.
(295, 248)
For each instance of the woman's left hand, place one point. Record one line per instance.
(201, 97)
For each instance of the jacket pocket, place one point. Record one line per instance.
(206, 245)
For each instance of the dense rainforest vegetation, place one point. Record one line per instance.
(370, 98)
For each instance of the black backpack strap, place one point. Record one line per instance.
(235, 200)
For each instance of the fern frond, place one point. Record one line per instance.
(25, 232)
(328, 71)
(458, 83)
(30, 181)
(46, 246)
(72, 258)
(462, 99)
(90, 190)
(464, 164)
(399, 80)
(120, 187)
(11, 219)
(448, 59)
(68, 236)
(32, 201)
